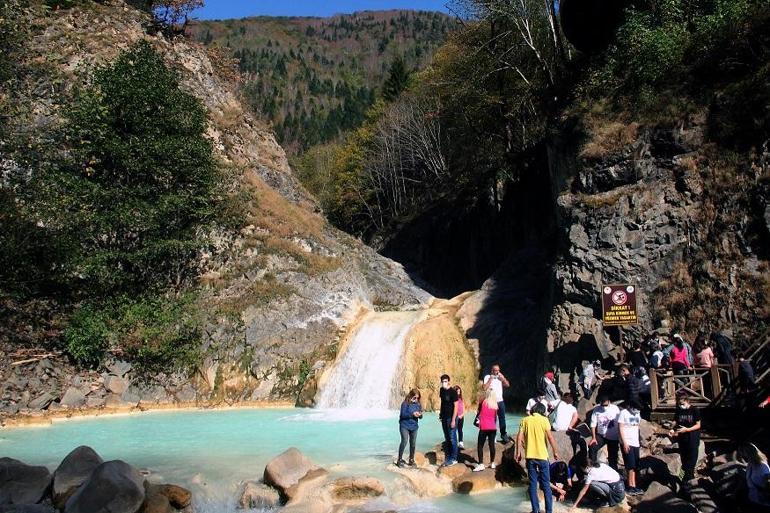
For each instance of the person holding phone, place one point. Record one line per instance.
(411, 413)
(496, 381)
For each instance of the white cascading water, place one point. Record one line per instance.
(365, 376)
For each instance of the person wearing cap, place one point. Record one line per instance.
(548, 385)
(680, 354)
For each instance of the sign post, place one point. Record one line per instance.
(619, 308)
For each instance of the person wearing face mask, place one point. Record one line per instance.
(496, 381)
(687, 432)
(448, 418)
(628, 422)
(604, 427)
(411, 413)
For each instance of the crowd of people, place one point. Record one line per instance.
(613, 423)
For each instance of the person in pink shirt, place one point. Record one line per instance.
(704, 356)
(680, 355)
(460, 416)
(487, 429)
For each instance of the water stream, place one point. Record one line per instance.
(365, 374)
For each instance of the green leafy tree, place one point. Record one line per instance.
(397, 81)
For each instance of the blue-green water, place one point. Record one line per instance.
(213, 451)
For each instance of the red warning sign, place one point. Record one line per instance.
(619, 305)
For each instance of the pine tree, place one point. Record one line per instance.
(397, 81)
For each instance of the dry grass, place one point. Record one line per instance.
(258, 293)
(607, 135)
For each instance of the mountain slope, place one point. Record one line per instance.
(315, 77)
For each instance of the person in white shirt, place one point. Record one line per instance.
(603, 481)
(628, 422)
(566, 415)
(539, 398)
(604, 428)
(497, 381)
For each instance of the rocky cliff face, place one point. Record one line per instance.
(274, 294)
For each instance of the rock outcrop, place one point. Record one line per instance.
(21, 483)
(113, 486)
(72, 472)
(287, 470)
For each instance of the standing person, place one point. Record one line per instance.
(460, 416)
(680, 355)
(604, 427)
(496, 381)
(448, 418)
(633, 385)
(551, 393)
(724, 349)
(628, 422)
(656, 356)
(757, 477)
(587, 379)
(411, 413)
(533, 433)
(487, 429)
(637, 358)
(687, 432)
(604, 481)
(704, 355)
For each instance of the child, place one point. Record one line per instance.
(487, 429)
(411, 412)
(460, 416)
(629, 421)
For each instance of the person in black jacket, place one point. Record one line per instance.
(634, 386)
(687, 433)
(724, 349)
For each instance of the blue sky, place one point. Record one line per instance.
(219, 9)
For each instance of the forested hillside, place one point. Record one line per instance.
(314, 78)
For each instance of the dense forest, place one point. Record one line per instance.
(315, 78)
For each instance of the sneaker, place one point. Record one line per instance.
(401, 464)
(493, 465)
(504, 439)
(479, 467)
(460, 445)
(449, 463)
(412, 463)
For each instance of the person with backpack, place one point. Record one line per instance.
(411, 413)
(628, 423)
(604, 428)
(487, 419)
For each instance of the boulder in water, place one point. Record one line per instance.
(287, 469)
(258, 495)
(114, 487)
(21, 483)
(474, 482)
(179, 497)
(72, 472)
(165, 497)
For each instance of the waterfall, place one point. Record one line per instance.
(365, 375)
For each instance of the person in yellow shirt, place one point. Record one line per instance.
(533, 433)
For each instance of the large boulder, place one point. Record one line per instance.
(453, 472)
(115, 384)
(659, 498)
(113, 487)
(73, 398)
(72, 472)
(27, 508)
(41, 402)
(423, 482)
(655, 469)
(21, 483)
(258, 496)
(179, 497)
(165, 497)
(474, 482)
(287, 469)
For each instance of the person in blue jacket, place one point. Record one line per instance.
(411, 412)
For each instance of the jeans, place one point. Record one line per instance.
(612, 450)
(688, 451)
(486, 436)
(450, 439)
(501, 419)
(539, 471)
(613, 493)
(412, 437)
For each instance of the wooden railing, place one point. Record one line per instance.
(702, 386)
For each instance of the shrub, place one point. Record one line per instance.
(87, 335)
(141, 179)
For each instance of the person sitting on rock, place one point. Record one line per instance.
(551, 393)
(411, 413)
(604, 428)
(757, 478)
(487, 429)
(565, 418)
(604, 482)
(538, 399)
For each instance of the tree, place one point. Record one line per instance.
(174, 13)
(397, 81)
